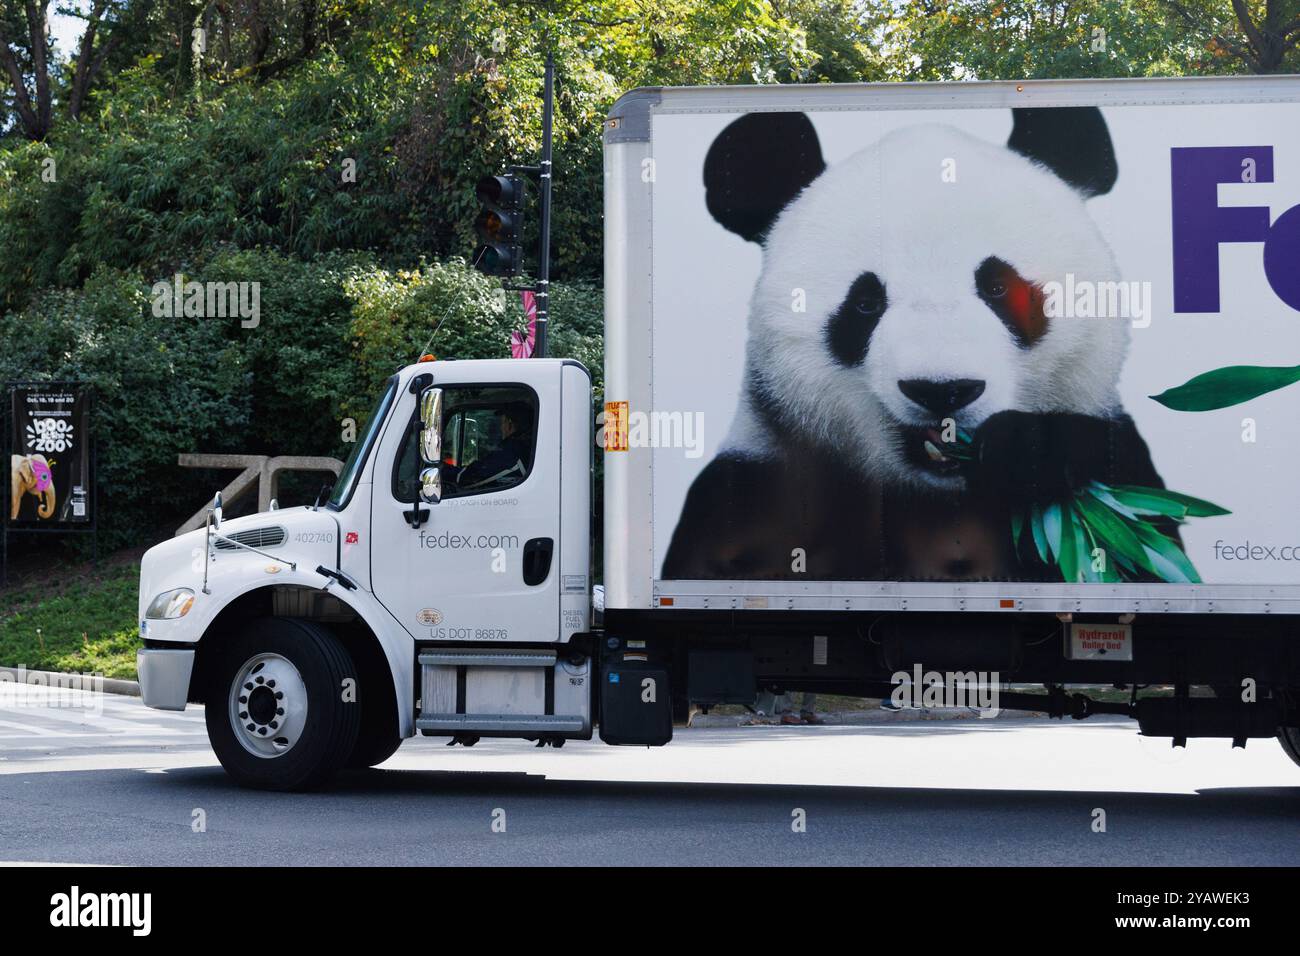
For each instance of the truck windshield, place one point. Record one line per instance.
(347, 479)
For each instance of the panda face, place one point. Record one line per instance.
(922, 302)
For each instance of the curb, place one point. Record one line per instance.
(87, 682)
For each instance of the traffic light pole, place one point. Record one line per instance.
(499, 222)
(544, 253)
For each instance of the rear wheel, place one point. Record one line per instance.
(280, 715)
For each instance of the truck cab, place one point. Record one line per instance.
(444, 587)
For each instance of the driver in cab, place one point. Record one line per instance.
(507, 464)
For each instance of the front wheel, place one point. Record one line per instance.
(374, 745)
(281, 710)
(1289, 737)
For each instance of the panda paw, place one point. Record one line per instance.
(1024, 456)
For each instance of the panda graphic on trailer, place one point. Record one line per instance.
(923, 396)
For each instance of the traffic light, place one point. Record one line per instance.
(500, 225)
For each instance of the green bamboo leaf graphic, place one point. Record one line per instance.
(1017, 526)
(1192, 507)
(1084, 543)
(1148, 501)
(1112, 570)
(1082, 550)
(1165, 569)
(1052, 529)
(1040, 536)
(1067, 554)
(1228, 386)
(1123, 563)
(1110, 527)
(1103, 494)
(1169, 560)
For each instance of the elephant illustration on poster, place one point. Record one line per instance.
(30, 474)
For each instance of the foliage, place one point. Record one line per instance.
(329, 333)
(84, 623)
(158, 187)
(1031, 39)
(455, 312)
(162, 387)
(296, 356)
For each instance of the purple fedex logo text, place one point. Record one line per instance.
(1201, 225)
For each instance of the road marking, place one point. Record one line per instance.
(31, 730)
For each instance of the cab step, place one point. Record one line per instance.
(504, 692)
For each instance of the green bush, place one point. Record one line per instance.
(162, 185)
(162, 386)
(160, 188)
(329, 333)
(297, 356)
(454, 312)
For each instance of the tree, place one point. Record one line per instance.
(1261, 34)
(28, 63)
(24, 52)
(117, 18)
(1034, 39)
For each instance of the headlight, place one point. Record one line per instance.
(170, 605)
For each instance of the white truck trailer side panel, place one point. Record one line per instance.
(795, 303)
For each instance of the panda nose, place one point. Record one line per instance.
(942, 398)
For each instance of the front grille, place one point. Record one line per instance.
(261, 538)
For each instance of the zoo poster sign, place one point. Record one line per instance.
(49, 462)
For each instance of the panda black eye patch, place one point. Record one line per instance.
(1013, 299)
(851, 325)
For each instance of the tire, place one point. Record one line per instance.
(377, 739)
(275, 710)
(1289, 738)
(374, 745)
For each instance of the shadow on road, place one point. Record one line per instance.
(404, 817)
(1264, 802)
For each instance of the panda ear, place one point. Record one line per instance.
(756, 166)
(1071, 141)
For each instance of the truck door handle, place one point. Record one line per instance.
(537, 560)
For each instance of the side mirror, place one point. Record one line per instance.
(431, 407)
(431, 433)
(216, 511)
(431, 485)
(431, 445)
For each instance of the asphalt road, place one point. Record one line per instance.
(107, 781)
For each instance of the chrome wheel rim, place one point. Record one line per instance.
(268, 705)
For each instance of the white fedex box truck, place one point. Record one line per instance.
(908, 388)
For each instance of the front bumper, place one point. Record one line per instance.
(164, 676)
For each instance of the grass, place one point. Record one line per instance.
(84, 622)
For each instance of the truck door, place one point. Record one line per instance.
(482, 563)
